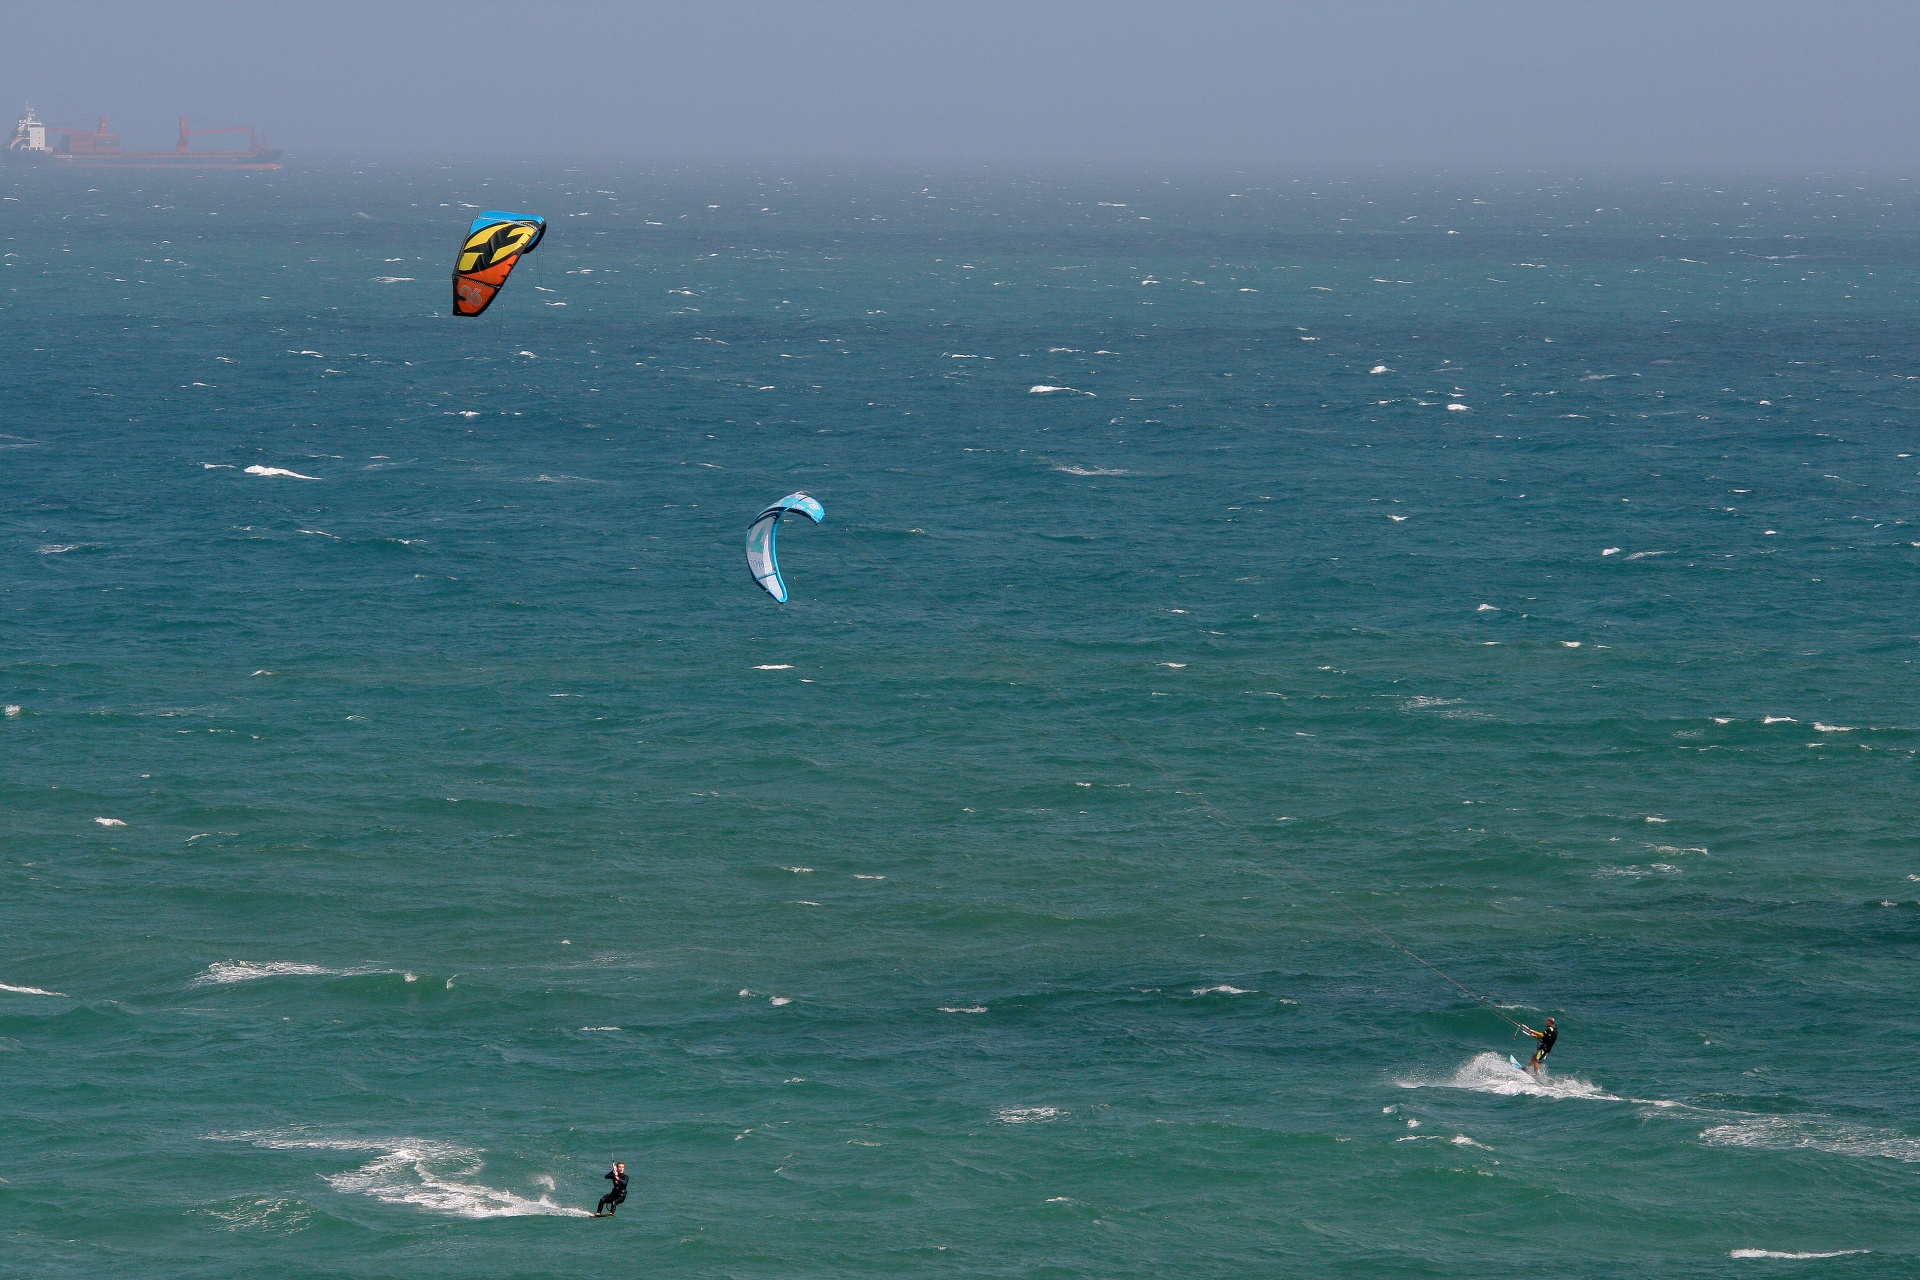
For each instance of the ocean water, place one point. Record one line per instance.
(407, 803)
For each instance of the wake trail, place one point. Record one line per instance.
(429, 1175)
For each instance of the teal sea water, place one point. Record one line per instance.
(407, 802)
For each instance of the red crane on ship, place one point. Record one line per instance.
(256, 141)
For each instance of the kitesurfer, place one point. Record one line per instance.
(1546, 1039)
(618, 1195)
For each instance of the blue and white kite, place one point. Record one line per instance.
(760, 558)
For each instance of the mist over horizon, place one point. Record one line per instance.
(1704, 87)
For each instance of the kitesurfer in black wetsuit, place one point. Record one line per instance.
(618, 1195)
(1546, 1039)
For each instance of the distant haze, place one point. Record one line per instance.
(1761, 84)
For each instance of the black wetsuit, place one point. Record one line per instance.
(616, 1197)
(1547, 1038)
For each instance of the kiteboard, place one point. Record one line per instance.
(1516, 1063)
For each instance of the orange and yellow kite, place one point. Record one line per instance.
(495, 244)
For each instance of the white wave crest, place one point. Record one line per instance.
(228, 971)
(1027, 1115)
(1795, 1133)
(1089, 471)
(1770, 1253)
(31, 991)
(1223, 989)
(278, 471)
(434, 1176)
(1493, 1073)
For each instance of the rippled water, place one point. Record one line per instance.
(407, 802)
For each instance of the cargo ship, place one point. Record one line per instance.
(37, 143)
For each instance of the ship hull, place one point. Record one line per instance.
(147, 160)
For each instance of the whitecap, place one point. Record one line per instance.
(775, 666)
(776, 1001)
(1778, 720)
(428, 1175)
(1379, 368)
(278, 471)
(1610, 551)
(224, 972)
(110, 822)
(31, 991)
(1487, 608)
(1225, 990)
(1089, 471)
(60, 548)
(1396, 519)
(1027, 1115)
(1460, 408)
(1832, 728)
(1041, 389)
(11, 710)
(1769, 1253)
(391, 279)
(972, 1008)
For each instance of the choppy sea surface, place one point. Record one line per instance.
(407, 802)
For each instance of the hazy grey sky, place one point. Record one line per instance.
(1762, 83)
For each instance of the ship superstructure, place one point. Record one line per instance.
(35, 142)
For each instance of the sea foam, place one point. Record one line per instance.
(1797, 1133)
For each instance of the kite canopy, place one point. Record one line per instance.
(494, 244)
(760, 558)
